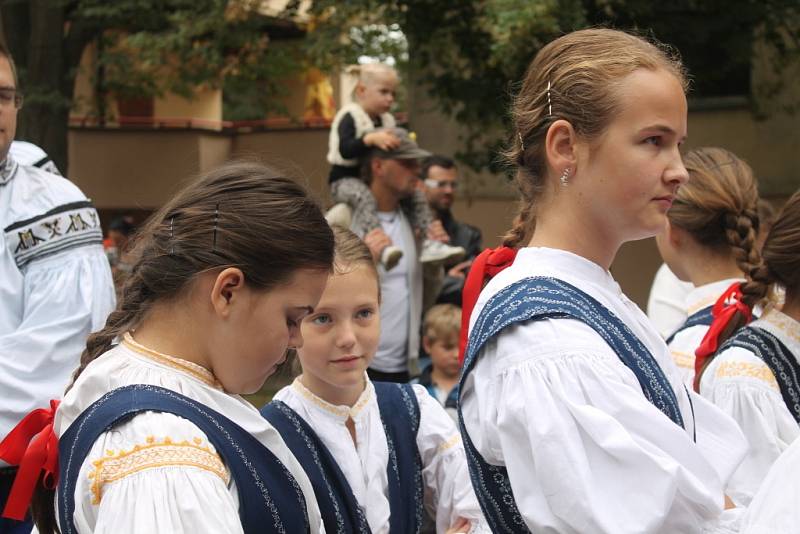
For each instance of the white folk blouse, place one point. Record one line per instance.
(584, 449)
(158, 472)
(448, 490)
(744, 387)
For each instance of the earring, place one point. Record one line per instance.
(565, 177)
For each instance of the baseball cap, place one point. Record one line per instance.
(407, 149)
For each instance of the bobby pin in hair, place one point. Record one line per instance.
(521, 142)
(216, 218)
(171, 235)
(549, 105)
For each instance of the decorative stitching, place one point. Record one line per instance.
(683, 359)
(759, 371)
(196, 371)
(116, 466)
(341, 411)
(786, 324)
(450, 443)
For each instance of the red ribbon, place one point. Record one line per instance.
(723, 311)
(33, 446)
(484, 268)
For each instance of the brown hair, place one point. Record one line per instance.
(585, 70)
(780, 264)
(442, 321)
(240, 215)
(6, 53)
(718, 206)
(349, 252)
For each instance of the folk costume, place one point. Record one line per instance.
(755, 378)
(408, 458)
(574, 416)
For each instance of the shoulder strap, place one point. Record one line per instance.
(701, 317)
(340, 510)
(270, 499)
(400, 416)
(777, 357)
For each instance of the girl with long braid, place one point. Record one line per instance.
(574, 417)
(755, 375)
(710, 240)
(152, 434)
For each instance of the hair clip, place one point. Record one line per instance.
(521, 142)
(549, 104)
(216, 218)
(171, 234)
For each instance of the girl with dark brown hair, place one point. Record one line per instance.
(755, 375)
(153, 433)
(573, 414)
(710, 240)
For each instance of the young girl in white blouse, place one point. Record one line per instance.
(153, 435)
(574, 417)
(755, 375)
(710, 240)
(379, 455)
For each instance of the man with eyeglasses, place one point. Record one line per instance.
(440, 180)
(55, 283)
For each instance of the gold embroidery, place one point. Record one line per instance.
(450, 443)
(784, 323)
(116, 466)
(197, 371)
(341, 411)
(759, 371)
(683, 359)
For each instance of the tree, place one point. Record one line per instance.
(467, 53)
(144, 48)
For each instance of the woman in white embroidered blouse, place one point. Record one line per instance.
(336, 398)
(599, 121)
(224, 274)
(710, 238)
(740, 382)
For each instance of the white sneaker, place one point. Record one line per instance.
(390, 257)
(340, 215)
(436, 251)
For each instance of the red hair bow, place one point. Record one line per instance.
(484, 268)
(33, 446)
(723, 311)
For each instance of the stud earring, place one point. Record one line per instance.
(565, 177)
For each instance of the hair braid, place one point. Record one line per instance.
(741, 232)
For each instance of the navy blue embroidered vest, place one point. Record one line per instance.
(340, 510)
(778, 358)
(539, 298)
(701, 317)
(270, 500)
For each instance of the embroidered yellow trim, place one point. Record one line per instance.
(116, 466)
(759, 371)
(450, 443)
(341, 411)
(683, 359)
(784, 323)
(197, 371)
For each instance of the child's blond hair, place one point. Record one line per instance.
(442, 321)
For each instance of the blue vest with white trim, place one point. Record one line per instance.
(777, 357)
(270, 499)
(535, 299)
(340, 510)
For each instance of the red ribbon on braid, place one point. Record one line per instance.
(723, 311)
(486, 266)
(33, 446)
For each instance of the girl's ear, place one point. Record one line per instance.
(227, 289)
(561, 147)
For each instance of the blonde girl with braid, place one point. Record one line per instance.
(710, 240)
(152, 434)
(755, 375)
(573, 415)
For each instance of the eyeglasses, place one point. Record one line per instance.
(441, 184)
(10, 96)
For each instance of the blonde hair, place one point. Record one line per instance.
(718, 207)
(442, 321)
(349, 252)
(585, 70)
